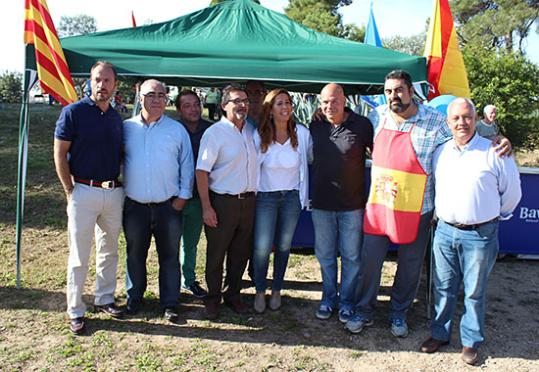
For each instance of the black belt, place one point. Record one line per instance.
(461, 226)
(152, 204)
(108, 185)
(243, 195)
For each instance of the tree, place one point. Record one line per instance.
(10, 87)
(76, 25)
(323, 16)
(495, 24)
(414, 45)
(508, 81)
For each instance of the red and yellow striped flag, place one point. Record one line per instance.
(446, 70)
(52, 69)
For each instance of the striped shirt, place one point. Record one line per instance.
(429, 130)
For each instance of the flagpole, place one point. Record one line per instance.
(22, 162)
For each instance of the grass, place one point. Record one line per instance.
(33, 324)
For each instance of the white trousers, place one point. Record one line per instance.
(90, 211)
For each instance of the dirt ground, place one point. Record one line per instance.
(34, 335)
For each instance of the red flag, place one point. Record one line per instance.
(133, 19)
(52, 69)
(446, 70)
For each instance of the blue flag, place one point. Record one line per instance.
(372, 37)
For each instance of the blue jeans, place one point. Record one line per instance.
(462, 256)
(276, 218)
(409, 264)
(338, 232)
(140, 222)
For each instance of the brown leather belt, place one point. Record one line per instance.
(243, 195)
(108, 185)
(461, 226)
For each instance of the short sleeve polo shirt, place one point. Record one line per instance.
(96, 140)
(338, 170)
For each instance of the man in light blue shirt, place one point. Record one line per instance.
(158, 177)
(475, 189)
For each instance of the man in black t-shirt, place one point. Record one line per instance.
(338, 195)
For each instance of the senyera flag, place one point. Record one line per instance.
(52, 69)
(446, 70)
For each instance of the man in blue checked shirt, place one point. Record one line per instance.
(426, 129)
(158, 175)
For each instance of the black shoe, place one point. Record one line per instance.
(132, 308)
(110, 309)
(171, 314)
(77, 326)
(197, 290)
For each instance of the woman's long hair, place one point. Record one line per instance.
(266, 128)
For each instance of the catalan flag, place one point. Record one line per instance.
(446, 70)
(52, 69)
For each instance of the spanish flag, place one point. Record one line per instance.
(446, 70)
(52, 69)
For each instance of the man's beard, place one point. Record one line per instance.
(397, 106)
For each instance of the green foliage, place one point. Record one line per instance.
(10, 87)
(508, 81)
(495, 24)
(353, 32)
(76, 25)
(414, 45)
(322, 16)
(317, 15)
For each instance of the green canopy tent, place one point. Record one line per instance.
(239, 40)
(236, 40)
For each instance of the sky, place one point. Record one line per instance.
(393, 17)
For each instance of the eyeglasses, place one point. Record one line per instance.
(155, 96)
(238, 101)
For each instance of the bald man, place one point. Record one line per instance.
(340, 141)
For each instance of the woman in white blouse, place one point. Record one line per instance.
(284, 150)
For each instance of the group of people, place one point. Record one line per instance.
(245, 179)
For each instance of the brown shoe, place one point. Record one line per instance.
(431, 345)
(212, 309)
(237, 305)
(469, 355)
(76, 326)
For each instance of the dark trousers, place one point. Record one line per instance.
(212, 110)
(140, 222)
(232, 237)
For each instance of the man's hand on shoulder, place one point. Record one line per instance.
(502, 146)
(318, 115)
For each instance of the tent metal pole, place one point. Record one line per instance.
(21, 176)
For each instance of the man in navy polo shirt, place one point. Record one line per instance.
(87, 155)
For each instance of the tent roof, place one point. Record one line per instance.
(237, 41)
